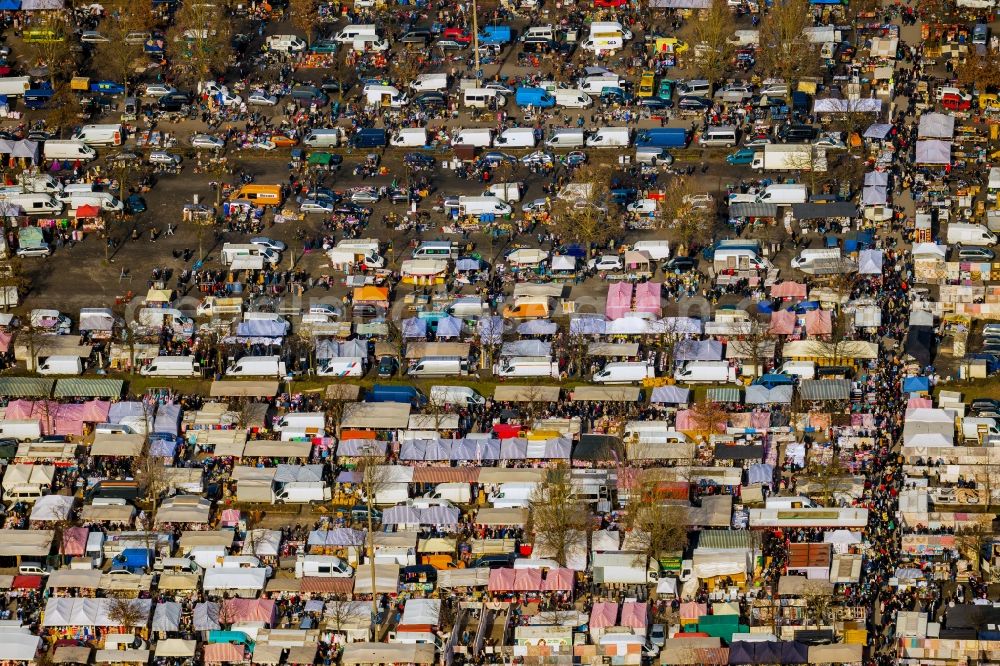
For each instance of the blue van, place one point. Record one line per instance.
(495, 34)
(37, 98)
(534, 97)
(369, 137)
(396, 393)
(662, 137)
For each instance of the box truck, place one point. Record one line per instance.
(170, 366)
(662, 137)
(784, 195)
(526, 366)
(789, 157)
(960, 233)
(705, 372)
(409, 137)
(480, 137)
(57, 149)
(61, 365)
(257, 366)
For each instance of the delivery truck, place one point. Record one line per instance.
(705, 372)
(618, 568)
(789, 157)
(300, 492)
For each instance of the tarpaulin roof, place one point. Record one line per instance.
(490, 329)
(789, 289)
(874, 195)
(674, 395)
(587, 325)
(409, 515)
(647, 298)
(878, 131)
(933, 151)
(166, 616)
(816, 211)
(87, 612)
(819, 322)
(825, 389)
(698, 350)
(635, 615)
(262, 328)
(249, 610)
(89, 388)
(761, 395)
(936, 126)
(836, 105)
(753, 209)
(220, 653)
(526, 348)
(870, 262)
(448, 327)
(415, 328)
(537, 327)
(26, 387)
(603, 614)
(619, 300)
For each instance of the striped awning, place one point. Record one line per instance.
(748, 209)
(826, 389)
(88, 388)
(26, 387)
(724, 395)
(321, 585)
(433, 474)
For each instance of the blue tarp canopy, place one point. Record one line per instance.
(916, 385)
(261, 328)
(10, 5)
(537, 327)
(490, 330)
(168, 419)
(587, 326)
(415, 328)
(448, 327)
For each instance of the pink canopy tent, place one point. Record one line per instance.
(603, 614)
(60, 418)
(501, 580)
(788, 289)
(619, 300)
(74, 541)
(819, 322)
(229, 517)
(685, 421)
(249, 610)
(782, 323)
(559, 580)
(5, 339)
(635, 615)
(691, 610)
(647, 298)
(756, 420)
(918, 403)
(527, 580)
(220, 653)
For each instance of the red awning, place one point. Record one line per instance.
(26, 583)
(445, 474)
(319, 585)
(218, 653)
(88, 211)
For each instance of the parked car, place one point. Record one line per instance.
(207, 141)
(163, 157)
(261, 99)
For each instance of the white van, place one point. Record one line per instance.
(480, 137)
(610, 137)
(483, 206)
(97, 135)
(513, 495)
(322, 566)
(323, 138)
(516, 137)
(539, 33)
(157, 317)
(970, 234)
(264, 316)
(457, 492)
(658, 250)
(801, 369)
(482, 98)
(409, 137)
(709, 372)
(719, 135)
(439, 366)
(573, 98)
(56, 149)
(21, 429)
(526, 366)
(35, 203)
(61, 365)
(389, 96)
(436, 250)
(509, 192)
(349, 33)
(24, 492)
(784, 194)
(793, 502)
(455, 395)
(808, 256)
(595, 85)
(624, 373)
(468, 306)
(565, 137)
(51, 321)
(741, 259)
(102, 200)
(286, 43)
(95, 548)
(435, 81)
(257, 366)
(341, 366)
(300, 421)
(170, 366)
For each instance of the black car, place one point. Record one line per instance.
(796, 133)
(309, 95)
(174, 101)
(387, 367)
(397, 195)
(680, 264)
(419, 160)
(332, 85)
(351, 208)
(655, 103)
(985, 405)
(692, 103)
(431, 100)
(541, 46)
(495, 561)
(421, 573)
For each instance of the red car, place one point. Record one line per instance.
(954, 102)
(459, 35)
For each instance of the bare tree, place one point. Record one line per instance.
(818, 597)
(664, 338)
(688, 214)
(827, 477)
(199, 42)
(558, 520)
(785, 50)
(63, 110)
(305, 16)
(125, 612)
(55, 51)
(710, 38)
(118, 56)
(756, 343)
(972, 540)
(373, 476)
(707, 415)
(658, 527)
(585, 219)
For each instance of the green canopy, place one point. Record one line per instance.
(322, 158)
